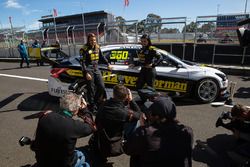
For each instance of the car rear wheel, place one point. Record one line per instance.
(207, 90)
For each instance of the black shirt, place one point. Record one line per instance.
(56, 138)
(147, 55)
(113, 116)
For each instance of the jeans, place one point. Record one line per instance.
(81, 161)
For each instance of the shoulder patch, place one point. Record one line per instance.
(152, 47)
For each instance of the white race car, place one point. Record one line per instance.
(174, 76)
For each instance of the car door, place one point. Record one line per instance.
(172, 75)
(120, 58)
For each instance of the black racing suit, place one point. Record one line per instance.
(147, 74)
(56, 137)
(90, 58)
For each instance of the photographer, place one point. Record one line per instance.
(111, 120)
(239, 119)
(163, 141)
(57, 134)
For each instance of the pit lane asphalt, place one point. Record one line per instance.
(22, 99)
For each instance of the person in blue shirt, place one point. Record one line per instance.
(23, 53)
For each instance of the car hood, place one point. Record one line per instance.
(204, 70)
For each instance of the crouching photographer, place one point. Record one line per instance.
(57, 134)
(236, 120)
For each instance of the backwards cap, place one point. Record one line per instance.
(163, 107)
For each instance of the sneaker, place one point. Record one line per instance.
(218, 123)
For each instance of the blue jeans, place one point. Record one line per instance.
(81, 161)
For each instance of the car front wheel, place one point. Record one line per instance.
(207, 90)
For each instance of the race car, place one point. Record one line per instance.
(174, 76)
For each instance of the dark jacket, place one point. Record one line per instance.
(114, 115)
(56, 137)
(157, 145)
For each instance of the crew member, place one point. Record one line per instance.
(38, 59)
(91, 55)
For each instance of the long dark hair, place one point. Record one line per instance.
(146, 36)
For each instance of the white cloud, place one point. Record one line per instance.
(13, 4)
(34, 26)
(23, 7)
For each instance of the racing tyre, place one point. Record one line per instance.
(207, 90)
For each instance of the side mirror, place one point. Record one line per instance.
(179, 65)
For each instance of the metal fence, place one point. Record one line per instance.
(167, 31)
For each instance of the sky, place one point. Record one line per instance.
(28, 12)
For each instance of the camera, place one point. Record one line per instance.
(243, 33)
(226, 115)
(24, 141)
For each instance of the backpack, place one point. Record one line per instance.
(106, 146)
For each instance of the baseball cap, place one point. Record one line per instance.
(163, 107)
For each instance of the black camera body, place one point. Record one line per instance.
(226, 115)
(24, 141)
(243, 33)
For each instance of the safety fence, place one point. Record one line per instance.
(211, 33)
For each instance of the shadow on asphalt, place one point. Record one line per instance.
(39, 102)
(213, 152)
(245, 78)
(242, 93)
(13, 68)
(9, 99)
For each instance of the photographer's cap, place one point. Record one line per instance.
(163, 107)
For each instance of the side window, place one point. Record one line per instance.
(166, 62)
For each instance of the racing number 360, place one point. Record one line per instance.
(119, 55)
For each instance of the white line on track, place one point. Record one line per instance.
(23, 77)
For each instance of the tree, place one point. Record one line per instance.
(121, 23)
(170, 30)
(153, 23)
(208, 27)
(190, 27)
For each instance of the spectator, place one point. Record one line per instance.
(226, 39)
(201, 39)
(57, 134)
(91, 55)
(37, 45)
(163, 141)
(45, 53)
(57, 45)
(111, 121)
(23, 53)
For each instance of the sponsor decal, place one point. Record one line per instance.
(165, 85)
(119, 55)
(58, 91)
(74, 72)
